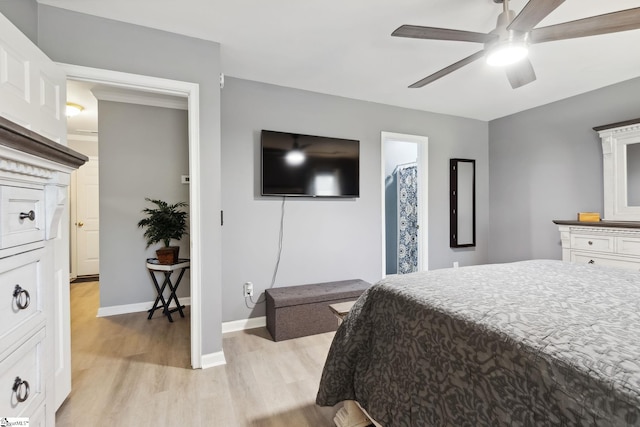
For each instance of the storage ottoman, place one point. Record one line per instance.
(298, 311)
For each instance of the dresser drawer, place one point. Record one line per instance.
(603, 260)
(593, 242)
(22, 367)
(628, 245)
(21, 296)
(21, 216)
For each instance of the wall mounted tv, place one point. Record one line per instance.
(309, 166)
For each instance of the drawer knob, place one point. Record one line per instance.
(591, 261)
(590, 242)
(31, 215)
(22, 297)
(21, 389)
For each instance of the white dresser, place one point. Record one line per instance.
(614, 241)
(34, 175)
(611, 243)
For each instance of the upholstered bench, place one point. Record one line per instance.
(298, 311)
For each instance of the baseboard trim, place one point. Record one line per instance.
(213, 359)
(84, 279)
(115, 310)
(241, 325)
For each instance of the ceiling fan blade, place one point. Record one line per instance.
(532, 13)
(520, 73)
(432, 33)
(451, 68)
(614, 22)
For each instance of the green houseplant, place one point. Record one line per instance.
(163, 223)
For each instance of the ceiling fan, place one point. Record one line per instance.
(507, 45)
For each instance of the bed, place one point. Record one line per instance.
(532, 343)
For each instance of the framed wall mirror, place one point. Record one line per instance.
(633, 174)
(462, 210)
(621, 168)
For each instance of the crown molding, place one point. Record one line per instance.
(25, 168)
(82, 137)
(23, 140)
(139, 98)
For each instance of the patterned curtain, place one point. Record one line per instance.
(407, 179)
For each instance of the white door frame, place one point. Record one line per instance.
(423, 187)
(192, 92)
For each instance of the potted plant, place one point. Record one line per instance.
(164, 223)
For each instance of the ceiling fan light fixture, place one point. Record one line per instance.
(507, 53)
(73, 109)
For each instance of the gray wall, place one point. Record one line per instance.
(23, 14)
(119, 46)
(546, 164)
(324, 240)
(143, 152)
(329, 239)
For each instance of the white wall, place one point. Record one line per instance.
(328, 240)
(87, 147)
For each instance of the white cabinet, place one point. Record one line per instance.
(34, 173)
(22, 374)
(614, 244)
(22, 213)
(22, 296)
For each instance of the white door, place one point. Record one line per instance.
(33, 94)
(87, 219)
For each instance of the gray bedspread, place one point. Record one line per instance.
(533, 343)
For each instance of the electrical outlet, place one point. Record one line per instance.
(248, 289)
(455, 264)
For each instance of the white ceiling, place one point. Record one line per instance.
(344, 48)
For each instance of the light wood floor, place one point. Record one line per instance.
(130, 371)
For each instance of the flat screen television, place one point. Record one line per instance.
(309, 166)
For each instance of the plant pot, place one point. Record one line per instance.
(168, 255)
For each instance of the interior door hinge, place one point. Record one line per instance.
(221, 218)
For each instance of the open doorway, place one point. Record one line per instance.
(84, 228)
(404, 203)
(189, 93)
(143, 152)
(148, 126)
